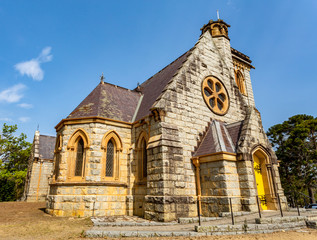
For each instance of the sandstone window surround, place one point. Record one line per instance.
(215, 95)
(77, 147)
(57, 157)
(111, 145)
(265, 185)
(141, 150)
(240, 82)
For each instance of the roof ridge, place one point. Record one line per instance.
(117, 86)
(146, 81)
(176, 72)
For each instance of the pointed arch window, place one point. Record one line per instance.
(142, 163)
(78, 146)
(110, 158)
(144, 159)
(112, 146)
(79, 158)
(240, 82)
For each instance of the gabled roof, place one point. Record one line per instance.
(219, 138)
(108, 101)
(46, 147)
(153, 87)
(117, 103)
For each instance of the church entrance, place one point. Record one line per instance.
(263, 181)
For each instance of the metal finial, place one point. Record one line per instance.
(218, 14)
(38, 127)
(102, 78)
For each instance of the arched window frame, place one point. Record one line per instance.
(240, 81)
(72, 154)
(140, 156)
(116, 140)
(57, 157)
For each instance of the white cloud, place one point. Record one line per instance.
(32, 68)
(5, 119)
(25, 105)
(24, 119)
(12, 94)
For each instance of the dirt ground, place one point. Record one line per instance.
(20, 220)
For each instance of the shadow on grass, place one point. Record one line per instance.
(43, 210)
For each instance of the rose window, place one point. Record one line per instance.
(215, 95)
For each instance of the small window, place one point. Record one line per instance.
(111, 145)
(110, 159)
(240, 82)
(79, 158)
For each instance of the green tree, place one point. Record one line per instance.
(295, 142)
(14, 154)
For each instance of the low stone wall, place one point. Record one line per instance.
(87, 201)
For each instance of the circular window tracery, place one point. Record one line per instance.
(215, 95)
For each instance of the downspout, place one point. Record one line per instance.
(197, 164)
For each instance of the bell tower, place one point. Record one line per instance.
(217, 28)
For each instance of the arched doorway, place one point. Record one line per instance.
(263, 179)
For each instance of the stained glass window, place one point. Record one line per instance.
(110, 159)
(79, 158)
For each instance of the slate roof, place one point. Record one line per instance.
(219, 137)
(108, 101)
(234, 130)
(46, 147)
(114, 102)
(153, 87)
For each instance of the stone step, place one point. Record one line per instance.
(196, 219)
(235, 214)
(99, 232)
(250, 228)
(280, 219)
(311, 224)
(122, 224)
(200, 230)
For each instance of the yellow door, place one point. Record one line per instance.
(259, 182)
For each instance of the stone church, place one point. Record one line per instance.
(190, 134)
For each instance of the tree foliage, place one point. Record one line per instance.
(14, 154)
(295, 143)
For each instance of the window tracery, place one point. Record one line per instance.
(77, 153)
(112, 146)
(215, 95)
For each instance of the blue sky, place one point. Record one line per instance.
(53, 52)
